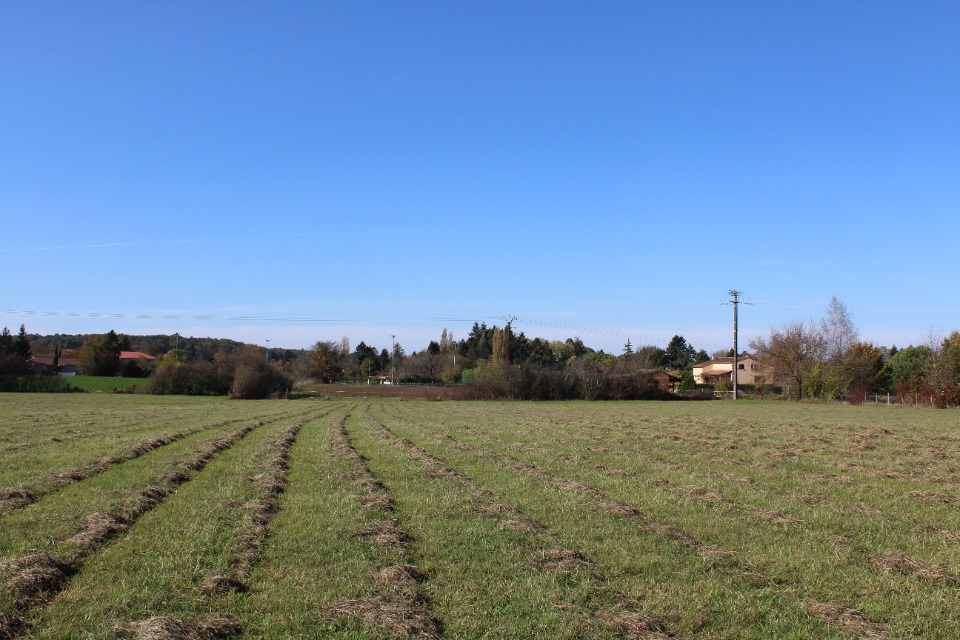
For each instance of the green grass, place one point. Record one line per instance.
(106, 384)
(707, 520)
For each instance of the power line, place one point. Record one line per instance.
(166, 316)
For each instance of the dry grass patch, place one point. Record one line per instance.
(13, 499)
(898, 562)
(171, 628)
(397, 617)
(559, 559)
(773, 516)
(849, 619)
(222, 584)
(33, 577)
(100, 527)
(635, 625)
(385, 533)
(935, 496)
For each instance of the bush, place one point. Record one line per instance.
(34, 384)
(258, 381)
(197, 378)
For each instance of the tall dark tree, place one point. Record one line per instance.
(21, 346)
(100, 355)
(679, 354)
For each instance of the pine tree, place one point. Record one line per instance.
(21, 346)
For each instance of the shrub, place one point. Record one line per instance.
(258, 381)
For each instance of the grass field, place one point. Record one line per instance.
(348, 517)
(105, 384)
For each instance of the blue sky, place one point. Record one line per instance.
(299, 171)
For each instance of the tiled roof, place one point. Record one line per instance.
(134, 355)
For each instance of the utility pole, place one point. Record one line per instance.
(393, 358)
(735, 295)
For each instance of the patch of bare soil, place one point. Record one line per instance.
(171, 628)
(849, 619)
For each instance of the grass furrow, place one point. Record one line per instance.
(45, 434)
(698, 588)
(610, 608)
(153, 577)
(18, 498)
(842, 558)
(312, 558)
(35, 573)
(490, 574)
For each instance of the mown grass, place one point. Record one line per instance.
(313, 557)
(106, 384)
(846, 529)
(45, 434)
(160, 566)
(644, 520)
(482, 578)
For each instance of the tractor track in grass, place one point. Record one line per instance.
(33, 579)
(851, 620)
(400, 604)
(552, 556)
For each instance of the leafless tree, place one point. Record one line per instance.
(839, 332)
(791, 352)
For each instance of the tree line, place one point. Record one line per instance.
(496, 362)
(827, 359)
(815, 359)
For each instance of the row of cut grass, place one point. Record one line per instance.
(879, 512)
(158, 568)
(802, 557)
(42, 435)
(479, 575)
(699, 591)
(313, 558)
